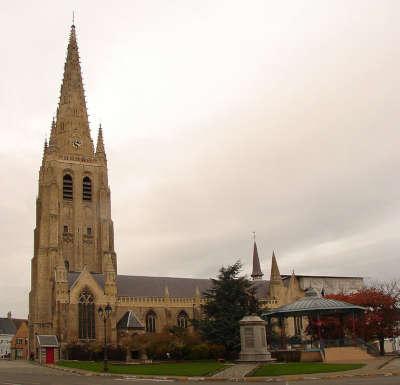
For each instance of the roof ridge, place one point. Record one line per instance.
(162, 277)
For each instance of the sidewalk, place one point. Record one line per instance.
(381, 366)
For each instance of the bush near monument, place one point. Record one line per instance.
(173, 344)
(92, 351)
(176, 344)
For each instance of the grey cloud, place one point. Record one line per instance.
(287, 126)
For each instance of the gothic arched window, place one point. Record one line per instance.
(182, 320)
(86, 316)
(87, 189)
(67, 187)
(151, 318)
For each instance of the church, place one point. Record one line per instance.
(74, 267)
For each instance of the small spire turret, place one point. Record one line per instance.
(100, 151)
(275, 274)
(257, 273)
(276, 282)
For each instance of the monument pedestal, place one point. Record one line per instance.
(253, 340)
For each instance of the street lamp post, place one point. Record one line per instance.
(104, 315)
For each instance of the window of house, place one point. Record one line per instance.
(182, 320)
(67, 187)
(151, 322)
(87, 189)
(86, 316)
(89, 231)
(65, 229)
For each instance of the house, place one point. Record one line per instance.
(19, 343)
(7, 332)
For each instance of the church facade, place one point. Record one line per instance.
(74, 264)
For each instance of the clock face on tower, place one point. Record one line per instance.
(76, 143)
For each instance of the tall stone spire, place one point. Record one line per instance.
(72, 134)
(257, 273)
(100, 151)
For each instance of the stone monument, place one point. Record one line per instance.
(253, 340)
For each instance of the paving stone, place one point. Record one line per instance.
(236, 371)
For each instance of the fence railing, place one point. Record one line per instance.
(328, 343)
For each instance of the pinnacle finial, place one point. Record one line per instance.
(52, 133)
(166, 291)
(45, 148)
(73, 18)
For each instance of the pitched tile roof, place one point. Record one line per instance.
(47, 340)
(142, 286)
(139, 286)
(18, 322)
(7, 326)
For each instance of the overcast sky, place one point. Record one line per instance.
(220, 118)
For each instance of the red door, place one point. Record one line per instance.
(49, 355)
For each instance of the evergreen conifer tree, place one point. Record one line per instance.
(230, 298)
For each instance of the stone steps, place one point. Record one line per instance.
(346, 354)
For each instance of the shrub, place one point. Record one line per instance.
(217, 351)
(199, 352)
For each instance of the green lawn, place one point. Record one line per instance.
(163, 369)
(277, 369)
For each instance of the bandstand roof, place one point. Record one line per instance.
(313, 303)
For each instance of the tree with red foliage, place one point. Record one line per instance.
(382, 317)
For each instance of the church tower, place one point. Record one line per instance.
(74, 230)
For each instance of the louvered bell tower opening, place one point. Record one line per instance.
(67, 187)
(87, 189)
